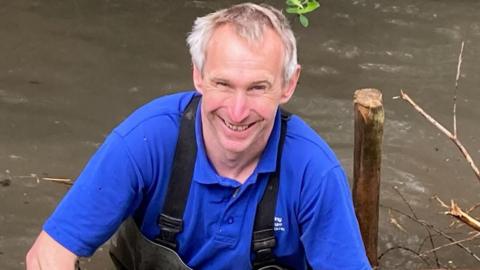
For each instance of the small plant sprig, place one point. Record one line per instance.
(300, 8)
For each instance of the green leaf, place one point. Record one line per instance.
(293, 10)
(303, 20)
(311, 6)
(295, 3)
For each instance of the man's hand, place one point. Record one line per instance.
(48, 254)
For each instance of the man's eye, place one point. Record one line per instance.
(258, 87)
(221, 84)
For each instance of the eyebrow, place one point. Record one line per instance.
(217, 79)
(262, 82)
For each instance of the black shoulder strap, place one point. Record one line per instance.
(171, 219)
(263, 231)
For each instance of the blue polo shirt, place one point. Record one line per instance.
(128, 176)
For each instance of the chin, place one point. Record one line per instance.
(233, 146)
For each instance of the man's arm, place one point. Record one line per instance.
(48, 254)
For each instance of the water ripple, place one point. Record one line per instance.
(321, 71)
(400, 22)
(451, 33)
(382, 67)
(475, 27)
(344, 51)
(12, 98)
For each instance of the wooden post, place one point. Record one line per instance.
(369, 118)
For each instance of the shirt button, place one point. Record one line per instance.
(230, 220)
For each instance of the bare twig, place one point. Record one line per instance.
(405, 201)
(459, 214)
(440, 232)
(444, 205)
(66, 181)
(473, 208)
(424, 240)
(406, 249)
(395, 223)
(445, 131)
(455, 211)
(420, 247)
(451, 244)
(415, 216)
(460, 58)
(60, 180)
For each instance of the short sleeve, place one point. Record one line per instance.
(105, 193)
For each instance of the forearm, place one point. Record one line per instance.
(46, 253)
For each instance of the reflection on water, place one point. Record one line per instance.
(71, 70)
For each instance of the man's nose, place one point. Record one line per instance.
(238, 107)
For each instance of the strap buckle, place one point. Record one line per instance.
(263, 243)
(169, 228)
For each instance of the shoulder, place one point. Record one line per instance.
(149, 134)
(304, 145)
(163, 112)
(309, 165)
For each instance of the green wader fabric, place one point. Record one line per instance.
(131, 250)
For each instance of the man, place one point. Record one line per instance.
(191, 180)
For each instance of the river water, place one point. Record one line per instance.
(71, 70)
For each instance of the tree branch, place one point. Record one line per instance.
(406, 249)
(426, 228)
(440, 232)
(460, 58)
(445, 131)
(450, 244)
(455, 211)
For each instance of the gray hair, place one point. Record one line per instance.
(249, 20)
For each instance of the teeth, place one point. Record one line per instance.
(236, 127)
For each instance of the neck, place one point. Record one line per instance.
(237, 166)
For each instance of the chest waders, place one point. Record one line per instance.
(131, 250)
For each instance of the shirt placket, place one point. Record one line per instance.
(232, 220)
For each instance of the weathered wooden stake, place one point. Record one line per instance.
(369, 118)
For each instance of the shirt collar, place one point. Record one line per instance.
(204, 171)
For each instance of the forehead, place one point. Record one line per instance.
(227, 48)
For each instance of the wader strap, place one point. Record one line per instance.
(263, 230)
(170, 221)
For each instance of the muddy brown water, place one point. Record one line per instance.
(71, 70)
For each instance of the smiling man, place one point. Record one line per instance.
(242, 85)
(217, 178)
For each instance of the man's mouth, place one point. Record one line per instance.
(237, 128)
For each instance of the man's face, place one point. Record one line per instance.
(242, 86)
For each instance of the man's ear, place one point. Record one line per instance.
(197, 79)
(290, 86)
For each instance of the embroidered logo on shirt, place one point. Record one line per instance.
(278, 224)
